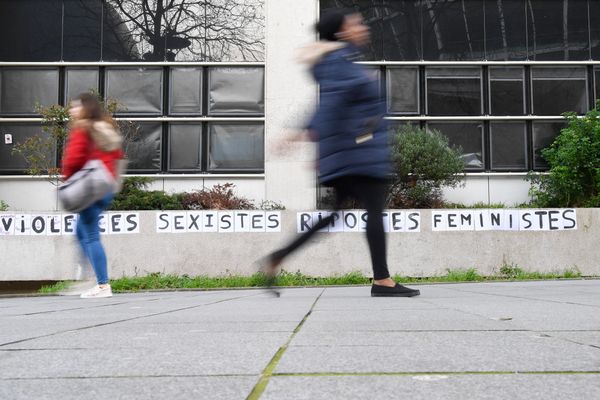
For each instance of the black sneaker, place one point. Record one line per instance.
(396, 291)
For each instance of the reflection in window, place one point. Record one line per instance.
(401, 30)
(403, 90)
(507, 91)
(236, 90)
(236, 147)
(82, 30)
(20, 133)
(144, 147)
(595, 29)
(558, 90)
(185, 147)
(137, 90)
(544, 134)
(506, 35)
(22, 88)
(453, 91)
(184, 30)
(508, 142)
(453, 30)
(467, 135)
(80, 80)
(558, 30)
(185, 91)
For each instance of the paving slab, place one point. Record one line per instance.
(427, 387)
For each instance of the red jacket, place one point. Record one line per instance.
(80, 148)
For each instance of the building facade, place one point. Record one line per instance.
(210, 88)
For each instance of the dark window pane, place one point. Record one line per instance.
(22, 88)
(143, 148)
(403, 90)
(558, 30)
(453, 30)
(236, 147)
(508, 145)
(80, 80)
(453, 91)
(544, 134)
(30, 30)
(236, 90)
(467, 135)
(375, 73)
(558, 90)
(401, 30)
(506, 35)
(19, 133)
(82, 30)
(186, 91)
(137, 90)
(185, 147)
(507, 91)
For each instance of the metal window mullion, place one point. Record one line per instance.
(205, 125)
(164, 145)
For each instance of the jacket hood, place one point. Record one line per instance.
(314, 52)
(106, 137)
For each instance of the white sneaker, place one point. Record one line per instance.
(77, 288)
(97, 292)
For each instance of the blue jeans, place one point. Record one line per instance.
(88, 235)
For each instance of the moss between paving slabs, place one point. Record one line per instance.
(158, 281)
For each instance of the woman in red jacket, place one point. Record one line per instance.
(93, 135)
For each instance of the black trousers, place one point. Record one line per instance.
(370, 193)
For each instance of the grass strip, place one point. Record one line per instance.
(160, 281)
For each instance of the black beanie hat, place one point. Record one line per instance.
(331, 22)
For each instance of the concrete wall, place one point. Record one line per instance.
(417, 254)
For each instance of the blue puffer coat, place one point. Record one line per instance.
(351, 132)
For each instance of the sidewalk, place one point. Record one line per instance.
(521, 340)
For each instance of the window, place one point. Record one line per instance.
(506, 33)
(558, 30)
(508, 141)
(453, 30)
(186, 91)
(21, 89)
(544, 134)
(558, 90)
(236, 91)
(507, 91)
(144, 148)
(467, 135)
(403, 90)
(19, 132)
(185, 147)
(236, 147)
(80, 80)
(138, 90)
(453, 91)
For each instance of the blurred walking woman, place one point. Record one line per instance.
(93, 135)
(348, 126)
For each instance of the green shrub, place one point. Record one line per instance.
(423, 163)
(134, 196)
(3, 205)
(574, 159)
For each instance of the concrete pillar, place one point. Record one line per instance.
(290, 96)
